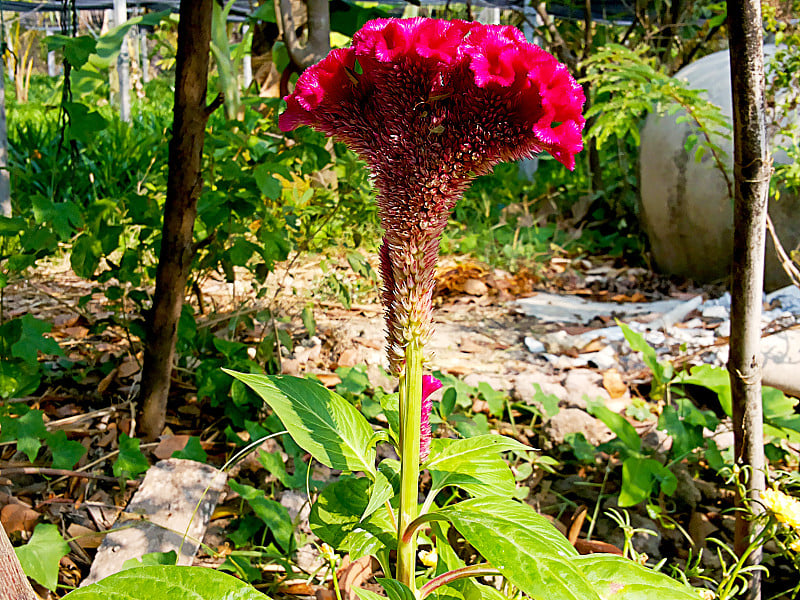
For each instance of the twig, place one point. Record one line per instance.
(786, 262)
(50, 472)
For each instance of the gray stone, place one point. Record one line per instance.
(686, 210)
(575, 420)
(176, 496)
(583, 383)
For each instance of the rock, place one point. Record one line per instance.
(496, 382)
(582, 383)
(298, 506)
(308, 559)
(686, 492)
(534, 345)
(575, 420)
(523, 386)
(686, 210)
(176, 496)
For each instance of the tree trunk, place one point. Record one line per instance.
(183, 188)
(751, 188)
(5, 184)
(14, 585)
(319, 32)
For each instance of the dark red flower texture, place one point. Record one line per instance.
(430, 104)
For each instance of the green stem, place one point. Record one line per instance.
(410, 411)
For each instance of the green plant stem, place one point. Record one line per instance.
(456, 574)
(410, 412)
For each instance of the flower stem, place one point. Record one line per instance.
(410, 410)
(451, 576)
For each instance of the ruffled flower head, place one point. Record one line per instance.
(430, 104)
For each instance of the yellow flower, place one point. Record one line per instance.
(428, 558)
(785, 508)
(795, 546)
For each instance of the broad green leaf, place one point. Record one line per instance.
(365, 594)
(523, 546)
(76, 49)
(381, 492)
(273, 463)
(83, 125)
(151, 558)
(192, 451)
(617, 578)
(467, 588)
(85, 256)
(714, 378)
(28, 431)
(777, 405)
(319, 420)
(616, 423)
(267, 184)
(396, 590)
(41, 555)
(159, 582)
(390, 403)
(31, 340)
(336, 519)
(65, 452)
(474, 464)
(638, 476)
(495, 399)
(274, 514)
(130, 462)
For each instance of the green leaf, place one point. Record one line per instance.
(273, 463)
(265, 12)
(523, 546)
(617, 578)
(307, 317)
(85, 256)
(474, 464)
(390, 404)
(150, 559)
(267, 184)
(381, 492)
(192, 451)
(272, 513)
(637, 480)
(27, 430)
(131, 462)
(336, 519)
(83, 123)
(396, 590)
(76, 49)
(638, 344)
(31, 340)
(41, 555)
(495, 399)
(715, 379)
(319, 420)
(159, 582)
(616, 423)
(66, 453)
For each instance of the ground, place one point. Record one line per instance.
(483, 336)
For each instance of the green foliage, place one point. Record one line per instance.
(130, 462)
(40, 557)
(272, 514)
(156, 582)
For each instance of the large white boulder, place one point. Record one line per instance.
(685, 207)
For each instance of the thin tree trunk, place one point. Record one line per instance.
(751, 188)
(319, 32)
(14, 585)
(183, 188)
(5, 185)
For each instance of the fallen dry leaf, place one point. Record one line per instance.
(329, 379)
(595, 547)
(18, 517)
(84, 536)
(128, 367)
(170, 444)
(614, 384)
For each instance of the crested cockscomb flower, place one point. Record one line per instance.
(429, 105)
(429, 385)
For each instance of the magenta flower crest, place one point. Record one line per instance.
(429, 385)
(430, 104)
